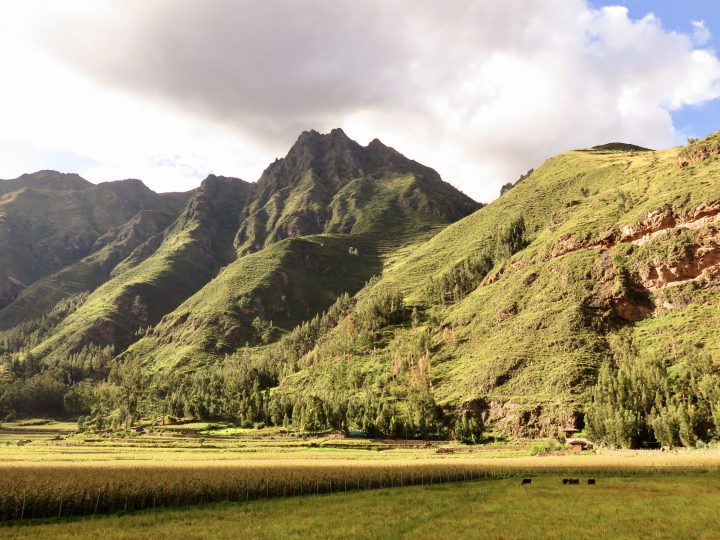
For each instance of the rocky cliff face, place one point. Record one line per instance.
(699, 151)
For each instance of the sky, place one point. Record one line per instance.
(170, 91)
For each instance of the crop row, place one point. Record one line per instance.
(48, 491)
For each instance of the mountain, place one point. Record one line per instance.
(49, 220)
(318, 223)
(331, 184)
(158, 275)
(607, 256)
(351, 288)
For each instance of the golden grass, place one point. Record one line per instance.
(43, 489)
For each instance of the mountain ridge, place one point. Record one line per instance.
(320, 179)
(351, 288)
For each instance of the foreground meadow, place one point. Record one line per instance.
(269, 484)
(640, 506)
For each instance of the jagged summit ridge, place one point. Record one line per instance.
(297, 194)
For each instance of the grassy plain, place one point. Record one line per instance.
(664, 506)
(159, 486)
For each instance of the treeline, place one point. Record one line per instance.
(509, 185)
(30, 387)
(234, 391)
(670, 401)
(112, 393)
(28, 335)
(247, 388)
(242, 394)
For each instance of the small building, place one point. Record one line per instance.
(578, 445)
(569, 432)
(137, 429)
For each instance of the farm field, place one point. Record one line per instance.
(638, 506)
(217, 481)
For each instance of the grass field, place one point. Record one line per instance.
(267, 484)
(644, 506)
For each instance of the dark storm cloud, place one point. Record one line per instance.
(266, 65)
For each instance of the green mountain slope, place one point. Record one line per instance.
(49, 220)
(371, 218)
(45, 181)
(281, 285)
(615, 246)
(370, 203)
(331, 184)
(190, 253)
(87, 274)
(586, 294)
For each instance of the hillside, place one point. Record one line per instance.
(370, 204)
(193, 286)
(158, 275)
(49, 220)
(87, 274)
(351, 288)
(617, 257)
(331, 184)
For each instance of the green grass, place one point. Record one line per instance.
(670, 506)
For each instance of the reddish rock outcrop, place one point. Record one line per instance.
(702, 261)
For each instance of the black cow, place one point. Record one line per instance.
(525, 481)
(591, 482)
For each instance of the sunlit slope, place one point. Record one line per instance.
(618, 242)
(282, 285)
(87, 274)
(328, 183)
(190, 254)
(292, 280)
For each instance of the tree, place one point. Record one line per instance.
(468, 430)
(131, 382)
(263, 329)
(510, 239)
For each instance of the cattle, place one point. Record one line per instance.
(575, 481)
(566, 481)
(591, 482)
(525, 481)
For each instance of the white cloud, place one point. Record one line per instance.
(701, 33)
(171, 90)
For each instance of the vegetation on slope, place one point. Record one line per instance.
(49, 220)
(192, 251)
(601, 261)
(331, 184)
(87, 274)
(522, 349)
(191, 301)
